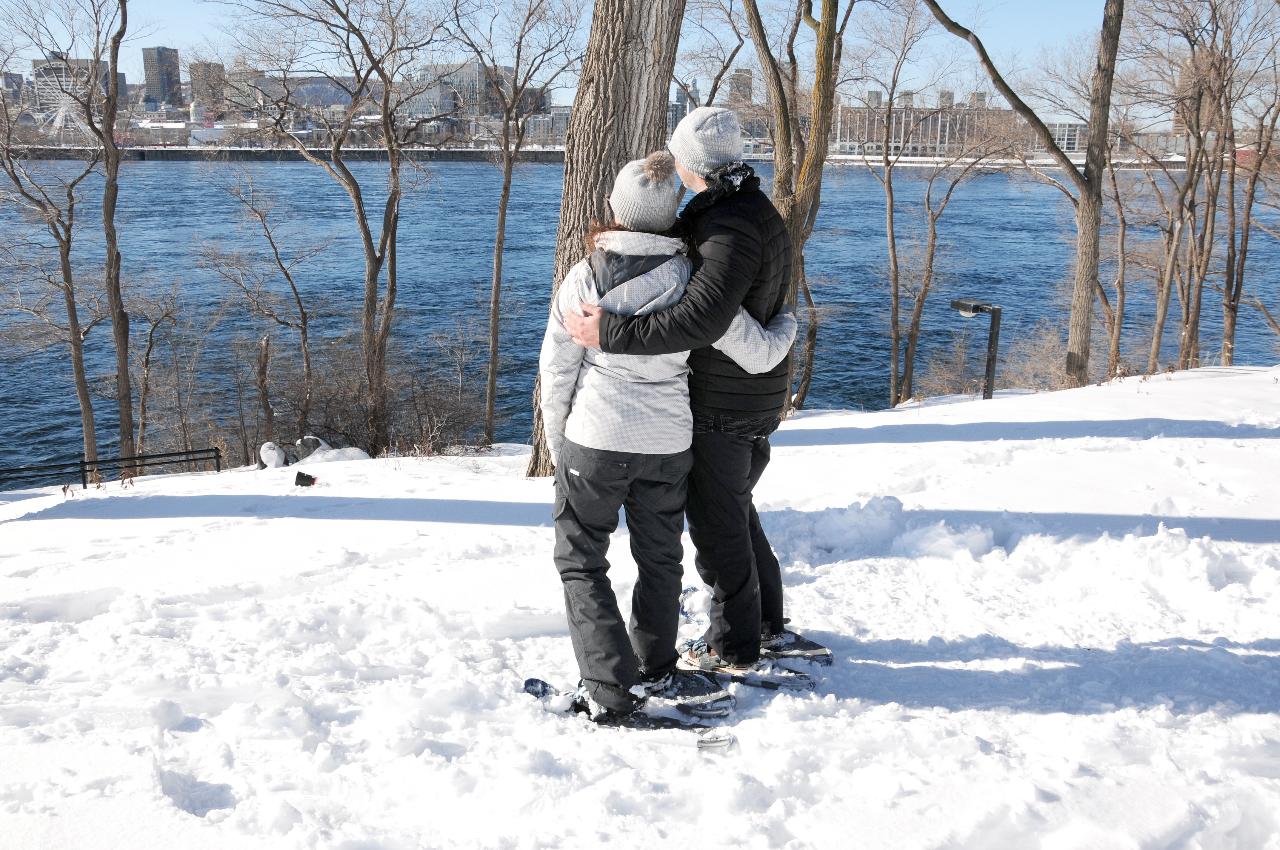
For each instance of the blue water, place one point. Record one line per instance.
(1004, 239)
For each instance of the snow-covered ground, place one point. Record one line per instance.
(1056, 620)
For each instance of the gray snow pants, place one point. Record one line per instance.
(591, 485)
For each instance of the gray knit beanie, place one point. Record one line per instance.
(707, 138)
(646, 193)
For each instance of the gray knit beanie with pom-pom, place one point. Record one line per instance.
(646, 193)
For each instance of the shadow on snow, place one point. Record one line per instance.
(462, 511)
(1185, 675)
(1124, 429)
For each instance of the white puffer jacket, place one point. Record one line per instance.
(635, 403)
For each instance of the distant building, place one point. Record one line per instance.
(675, 112)
(1071, 137)
(466, 90)
(244, 89)
(208, 85)
(915, 129)
(161, 69)
(740, 87)
(11, 85)
(688, 100)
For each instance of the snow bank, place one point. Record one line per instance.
(1054, 616)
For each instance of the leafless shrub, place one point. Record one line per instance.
(1036, 360)
(951, 371)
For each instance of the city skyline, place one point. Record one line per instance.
(1015, 31)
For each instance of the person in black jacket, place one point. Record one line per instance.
(742, 257)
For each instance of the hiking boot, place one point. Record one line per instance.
(583, 703)
(697, 654)
(679, 685)
(779, 642)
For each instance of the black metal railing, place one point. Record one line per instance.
(100, 469)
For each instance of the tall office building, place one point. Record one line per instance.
(164, 81)
(740, 87)
(208, 85)
(11, 84)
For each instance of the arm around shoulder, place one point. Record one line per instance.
(731, 258)
(755, 348)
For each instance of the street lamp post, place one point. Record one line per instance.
(970, 308)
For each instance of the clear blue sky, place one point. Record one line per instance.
(1015, 31)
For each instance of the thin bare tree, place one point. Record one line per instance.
(888, 57)
(259, 283)
(81, 42)
(525, 48)
(713, 37)
(1087, 182)
(801, 133)
(619, 114)
(376, 54)
(50, 197)
(1251, 96)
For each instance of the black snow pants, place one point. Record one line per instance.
(591, 485)
(734, 557)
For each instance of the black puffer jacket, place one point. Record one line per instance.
(741, 257)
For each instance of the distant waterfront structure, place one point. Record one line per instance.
(55, 80)
(550, 128)
(208, 85)
(918, 129)
(161, 68)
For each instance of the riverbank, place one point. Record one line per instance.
(549, 155)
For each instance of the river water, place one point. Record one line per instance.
(1005, 239)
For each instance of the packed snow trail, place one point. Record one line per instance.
(1056, 621)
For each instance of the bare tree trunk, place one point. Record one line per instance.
(495, 293)
(1201, 245)
(895, 287)
(1164, 292)
(1233, 292)
(810, 341)
(800, 151)
(308, 380)
(906, 390)
(144, 383)
(1088, 183)
(619, 114)
(110, 195)
(1089, 210)
(75, 339)
(264, 394)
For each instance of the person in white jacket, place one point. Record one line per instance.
(619, 430)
